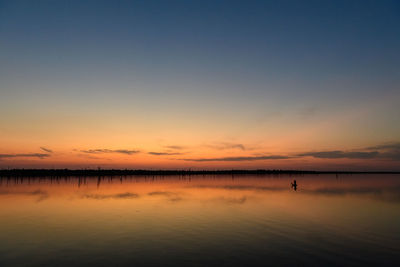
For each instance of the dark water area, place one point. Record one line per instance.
(201, 220)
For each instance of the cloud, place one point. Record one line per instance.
(387, 146)
(308, 111)
(126, 195)
(163, 153)
(175, 147)
(46, 150)
(239, 158)
(338, 154)
(393, 155)
(90, 156)
(390, 151)
(225, 145)
(101, 151)
(28, 155)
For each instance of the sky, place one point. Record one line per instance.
(310, 85)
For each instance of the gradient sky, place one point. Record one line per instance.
(200, 84)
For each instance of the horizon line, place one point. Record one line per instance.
(22, 172)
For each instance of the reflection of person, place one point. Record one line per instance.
(294, 185)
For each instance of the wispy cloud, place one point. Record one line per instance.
(393, 155)
(309, 111)
(90, 156)
(388, 150)
(175, 147)
(102, 151)
(338, 154)
(27, 155)
(46, 150)
(387, 146)
(239, 158)
(164, 153)
(226, 145)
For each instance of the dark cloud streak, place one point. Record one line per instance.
(164, 153)
(338, 154)
(46, 150)
(102, 151)
(27, 155)
(175, 147)
(387, 146)
(224, 146)
(274, 157)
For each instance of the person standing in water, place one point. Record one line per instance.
(294, 185)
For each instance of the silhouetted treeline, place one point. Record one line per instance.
(122, 172)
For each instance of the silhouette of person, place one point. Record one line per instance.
(294, 185)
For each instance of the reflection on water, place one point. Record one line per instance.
(201, 220)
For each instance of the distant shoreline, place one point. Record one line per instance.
(139, 172)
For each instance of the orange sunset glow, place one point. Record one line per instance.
(207, 133)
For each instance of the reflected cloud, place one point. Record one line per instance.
(382, 194)
(231, 200)
(171, 196)
(175, 199)
(241, 187)
(161, 193)
(126, 195)
(393, 197)
(42, 195)
(343, 191)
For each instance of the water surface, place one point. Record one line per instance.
(219, 220)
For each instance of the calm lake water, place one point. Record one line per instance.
(201, 221)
